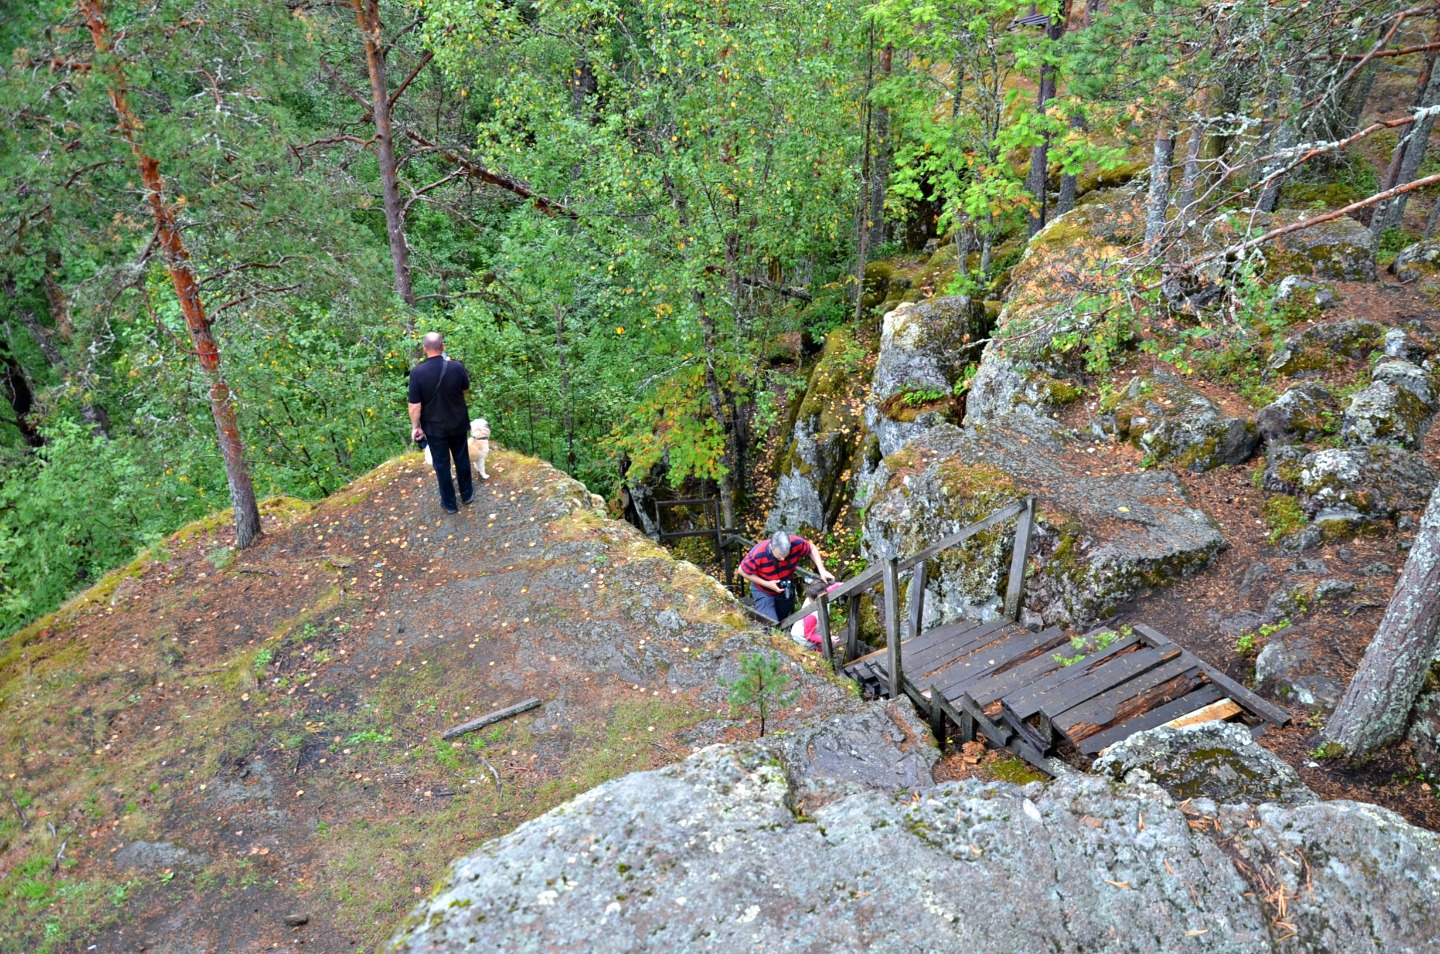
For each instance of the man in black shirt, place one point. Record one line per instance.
(439, 415)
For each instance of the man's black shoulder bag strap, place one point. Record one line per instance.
(438, 381)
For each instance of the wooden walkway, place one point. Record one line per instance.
(1021, 689)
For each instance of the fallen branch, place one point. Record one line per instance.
(24, 822)
(1300, 226)
(507, 182)
(491, 719)
(499, 789)
(257, 569)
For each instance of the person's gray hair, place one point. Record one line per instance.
(780, 544)
(434, 341)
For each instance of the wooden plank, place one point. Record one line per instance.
(1265, 710)
(1214, 712)
(1026, 701)
(852, 626)
(1020, 647)
(999, 684)
(963, 534)
(1019, 560)
(937, 716)
(1170, 680)
(892, 625)
(492, 718)
(1148, 720)
(961, 643)
(1002, 736)
(1094, 677)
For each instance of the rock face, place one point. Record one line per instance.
(1315, 348)
(1285, 667)
(1099, 541)
(816, 467)
(1360, 484)
(1215, 760)
(1023, 372)
(769, 847)
(924, 351)
(1417, 261)
(1176, 424)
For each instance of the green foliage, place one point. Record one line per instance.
(1284, 516)
(761, 686)
(1089, 643)
(369, 737)
(1245, 643)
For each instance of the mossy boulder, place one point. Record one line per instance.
(1174, 423)
(1099, 541)
(1340, 250)
(1395, 409)
(1316, 348)
(817, 465)
(1362, 485)
(1419, 262)
(1303, 413)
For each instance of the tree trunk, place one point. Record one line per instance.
(1392, 213)
(1377, 704)
(1285, 137)
(880, 160)
(20, 396)
(717, 409)
(562, 349)
(1069, 182)
(367, 16)
(94, 416)
(187, 290)
(1162, 159)
(1037, 180)
(1190, 176)
(863, 215)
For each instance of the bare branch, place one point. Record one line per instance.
(501, 179)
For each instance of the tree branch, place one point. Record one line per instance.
(505, 181)
(245, 266)
(424, 60)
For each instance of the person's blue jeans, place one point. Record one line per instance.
(776, 606)
(444, 448)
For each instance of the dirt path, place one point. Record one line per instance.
(211, 745)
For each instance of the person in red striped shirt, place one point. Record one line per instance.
(770, 568)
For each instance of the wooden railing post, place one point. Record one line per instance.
(822, 627)
(891, 573)
(917, 599)
(1019, 560)
(852, 629)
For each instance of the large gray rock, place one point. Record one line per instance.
(924, 351)
(1176, 424)
(1416, 262)
(1302, 413)
(1100, 539)
(816, 468)
(713, 854)
(1287, 666)
(1360, 484)
(1394, 409)
(1220, 761)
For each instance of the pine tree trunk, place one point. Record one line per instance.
(1190, 176)
(1038, 179)
(1162, 159)
(367, 16)
(880, 160)
(1069, 182)
(717, 408)
(187, 290)
(1392, 214)
(562, 349)
(863, 214)
(1377, 704)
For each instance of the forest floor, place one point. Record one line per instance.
(208, 744)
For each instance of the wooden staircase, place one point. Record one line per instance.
(1022, 689)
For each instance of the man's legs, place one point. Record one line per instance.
(774, 606)
(460, 450)
(440, 452)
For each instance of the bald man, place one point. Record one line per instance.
(438, 415)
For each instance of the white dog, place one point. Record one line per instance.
(479, 447)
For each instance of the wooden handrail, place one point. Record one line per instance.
(959, 536)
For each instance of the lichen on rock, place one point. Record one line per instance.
(1175, 423)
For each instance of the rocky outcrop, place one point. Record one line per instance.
(1101, 539)
(924, 352)
(780, 848)
(1036, 361)
(1286, 667)
(1347, 487)
(1176, 424)
(816, 468)
(1417, 262)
